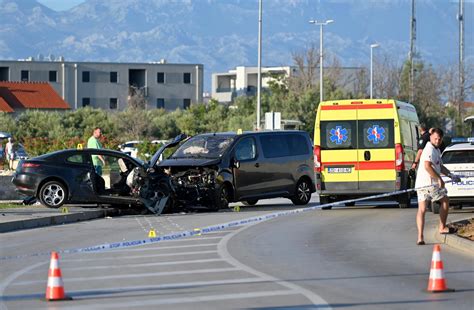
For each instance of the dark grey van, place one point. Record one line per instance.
(214, 169)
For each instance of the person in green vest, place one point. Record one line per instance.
(94, 143)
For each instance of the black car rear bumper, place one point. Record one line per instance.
(25, 184)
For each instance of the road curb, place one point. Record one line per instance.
(456, 242)
(55, 220)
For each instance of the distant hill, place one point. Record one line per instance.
(222, 34)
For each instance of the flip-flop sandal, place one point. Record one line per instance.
(420, 243)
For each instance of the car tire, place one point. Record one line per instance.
(325, 200)
(404, 200)
(221, 198)
(252, 202)
(303, 193)
(435, 206)
(53, 194)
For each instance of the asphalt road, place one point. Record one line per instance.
(357, 258)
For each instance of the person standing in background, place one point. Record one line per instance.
(94, 143)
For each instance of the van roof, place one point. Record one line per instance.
(233, 133)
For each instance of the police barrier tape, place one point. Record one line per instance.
(208, 229)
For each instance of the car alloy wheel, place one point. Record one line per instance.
(303, 193)
(53, 194)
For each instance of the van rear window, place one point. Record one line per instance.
(338, 135)
(376, 134)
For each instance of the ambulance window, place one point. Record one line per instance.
(338, 135)
(405, 130)
(376, 134)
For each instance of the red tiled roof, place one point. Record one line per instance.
(31, 95)
(4, 107)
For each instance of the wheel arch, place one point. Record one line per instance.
(53, 178)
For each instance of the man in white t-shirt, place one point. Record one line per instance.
(429, 176)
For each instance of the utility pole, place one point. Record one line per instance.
(259, 77)
(412, 53)
(461, 60)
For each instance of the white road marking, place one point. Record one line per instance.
(184, 300)
(194, 261)
(137, 275)
(160, 247)
(222, 248)
(138, 256)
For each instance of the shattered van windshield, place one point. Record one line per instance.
(203, 146)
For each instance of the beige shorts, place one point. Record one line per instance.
(431, 193)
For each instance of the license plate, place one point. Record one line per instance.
(339, 170)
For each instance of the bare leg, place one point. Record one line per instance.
(443, 214)
(420, 219)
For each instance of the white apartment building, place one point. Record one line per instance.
(109, 85)
(243, 80)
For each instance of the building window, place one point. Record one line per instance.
(160, 77)
(53, 76)
(86, 102)
(160, 103)
(187, 78)
(113, 103)
(25, 75)
(186, 103)
(113, 77)
(86, 76)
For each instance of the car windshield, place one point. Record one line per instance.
(458, 157)
(203, 146)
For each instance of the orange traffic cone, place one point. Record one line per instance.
(437, 283)
(55, 288)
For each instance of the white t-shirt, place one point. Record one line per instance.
(433, 155)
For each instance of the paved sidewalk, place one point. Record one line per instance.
(39, 216)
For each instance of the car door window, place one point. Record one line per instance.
(246, 149)
(76, 159)
(275, 145)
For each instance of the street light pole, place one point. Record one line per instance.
(321, 24)
(259, 74)
(372, 46)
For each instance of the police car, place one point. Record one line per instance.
(459, 159)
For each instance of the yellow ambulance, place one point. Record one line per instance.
(364, 147)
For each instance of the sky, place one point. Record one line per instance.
(60, 5)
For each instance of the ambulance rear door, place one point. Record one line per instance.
(338, 133)
(376, 147)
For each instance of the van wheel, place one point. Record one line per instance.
(303, 193)
(325, 200)
(435, 206)
(53, 194)
(221, 198)
(250, 202)
(404, 200)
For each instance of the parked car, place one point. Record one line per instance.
(20, 152)
(459, 159)
(217, 168)
(130, 148)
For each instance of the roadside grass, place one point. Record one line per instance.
(11, 205)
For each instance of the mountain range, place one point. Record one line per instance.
(223, 34)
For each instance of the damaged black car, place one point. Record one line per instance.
(214, 169)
